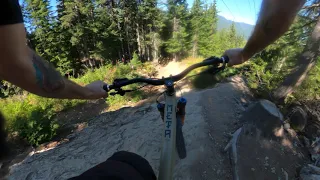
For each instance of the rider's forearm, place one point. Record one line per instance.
(39, 77)
(24, 68)
(274, 20)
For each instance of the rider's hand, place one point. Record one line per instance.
(96, 90)
(236, 56)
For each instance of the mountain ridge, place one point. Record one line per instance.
(241, 28)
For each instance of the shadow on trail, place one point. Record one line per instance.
(209, 80)
(203, 81)
(72, 120)
(77, 118)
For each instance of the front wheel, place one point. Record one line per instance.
(180, 144)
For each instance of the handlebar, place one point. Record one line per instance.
(157, 82)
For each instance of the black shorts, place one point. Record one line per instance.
(120, 166)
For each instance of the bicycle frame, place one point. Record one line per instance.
(168, 151)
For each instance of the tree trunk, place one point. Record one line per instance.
(195, 46)
(121, 40)
(144, 45)
(138, 40)
(155, 47)
(175, 29)
(150, 58)
(128, 38)
(306, 61)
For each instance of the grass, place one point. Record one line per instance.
(32, 117)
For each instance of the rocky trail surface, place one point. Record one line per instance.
(212, 118)
(211, 115)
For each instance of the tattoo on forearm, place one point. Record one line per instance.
(47, 77)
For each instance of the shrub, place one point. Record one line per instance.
(37, 127)
(8, 89)
(32, 121)
(310, 88)
(149, 69)
(103, 73)
(32, 117)
(123, 71)
(135, 60)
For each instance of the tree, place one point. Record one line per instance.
(289, 56)
(307, 61)
(177, 44)
(38, 14)
(108, 29)
(208, 30)
(78, 18)
(196, 23)
(233, 39)
(153, 24)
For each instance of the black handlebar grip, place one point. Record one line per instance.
(226, 59)
(106, 87)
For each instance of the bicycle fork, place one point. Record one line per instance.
(181, 109)
(170, 112)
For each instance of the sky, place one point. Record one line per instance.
(236, 10)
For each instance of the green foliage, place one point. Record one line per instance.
(204, 26)
(310, 88)
(8, 89)
(106, 31)
(281, 57)
(33, 117)
(149, 70)
(103, 73)
(136, 62)
(178, 42)
(260, 79)
(124, 71)
(82, 33)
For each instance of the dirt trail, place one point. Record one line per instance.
(211, 115)
(172, 68)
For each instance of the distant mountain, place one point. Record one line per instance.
(242, 28)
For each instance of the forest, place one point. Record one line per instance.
(86, 34)
(88, 40)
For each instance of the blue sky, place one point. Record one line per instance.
(236, 10)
